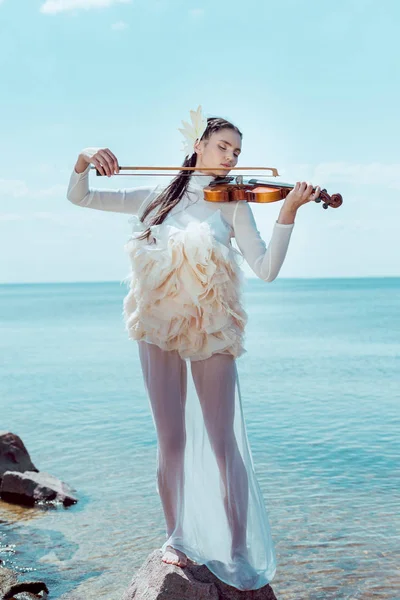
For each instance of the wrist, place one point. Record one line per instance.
(287, 214)
(81, 164)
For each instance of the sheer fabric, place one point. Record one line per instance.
(213, 505)
(184, 309)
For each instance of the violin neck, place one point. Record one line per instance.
(265, 183)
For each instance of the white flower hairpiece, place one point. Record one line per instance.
(193, 132)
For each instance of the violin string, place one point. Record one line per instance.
(167, 175)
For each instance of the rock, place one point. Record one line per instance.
(13, 454)
(30, 487)
(9, 585)
(21, 482)
(156, 580)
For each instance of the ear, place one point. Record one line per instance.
(198, 147)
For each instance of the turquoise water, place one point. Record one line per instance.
(321, 390)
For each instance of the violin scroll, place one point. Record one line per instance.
(334, 201)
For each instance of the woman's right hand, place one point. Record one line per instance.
(102, 158)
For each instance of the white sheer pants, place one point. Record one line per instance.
(213, 506)
(165, 378)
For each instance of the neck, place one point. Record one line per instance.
(200, 178)
(200, 169)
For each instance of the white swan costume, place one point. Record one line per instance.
(184, 309)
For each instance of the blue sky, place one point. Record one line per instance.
(314, 86)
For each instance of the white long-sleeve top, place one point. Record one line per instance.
(238, 217)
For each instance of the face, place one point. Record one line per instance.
(220, 152)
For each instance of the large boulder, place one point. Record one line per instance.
(9, 586)
(156, 580)
(31, 487)
(13, 454)
(21, 482)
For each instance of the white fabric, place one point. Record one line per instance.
(213, 506)
(265, 261)
(185, 289)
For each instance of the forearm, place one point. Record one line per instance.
(123, 200)
(81, 164)
(269, 263)
(265, 262)
(287, 214)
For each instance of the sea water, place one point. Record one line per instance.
(321, 387)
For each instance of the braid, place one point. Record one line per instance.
(173, 193)
(169, 197)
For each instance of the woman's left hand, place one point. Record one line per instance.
(301, 194)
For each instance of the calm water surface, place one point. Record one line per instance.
(321, 390)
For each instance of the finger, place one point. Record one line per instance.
(308, 192)
(106, 161)
(109, 162)
(114, 161)
(303, 191)
(103, 163)
(98, 165)
(316, 192)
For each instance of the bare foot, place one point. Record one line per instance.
(240, 554)
(174, 557)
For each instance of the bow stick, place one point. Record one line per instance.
(274, 172)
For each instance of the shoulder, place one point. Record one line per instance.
(148, 193)
(237, 211)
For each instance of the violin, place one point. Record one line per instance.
(234, 188)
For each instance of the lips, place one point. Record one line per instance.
(226, 166)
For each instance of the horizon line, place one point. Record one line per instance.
(5, 283)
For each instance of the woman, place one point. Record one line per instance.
(184, 309)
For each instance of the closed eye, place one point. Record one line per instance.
(236, 153)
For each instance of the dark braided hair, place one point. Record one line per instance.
(178, 186)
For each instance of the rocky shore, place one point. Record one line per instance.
(22, 483)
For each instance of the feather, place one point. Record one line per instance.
(194, 131)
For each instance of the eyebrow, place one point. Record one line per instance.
(225, 142)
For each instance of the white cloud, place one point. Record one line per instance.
(52, 7)
(119, 26)
(12, 216)
(340, 172)
(34, 216)
(15, 188)
(196, 13)
(361, 224)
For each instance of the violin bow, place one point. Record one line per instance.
(274, 172)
